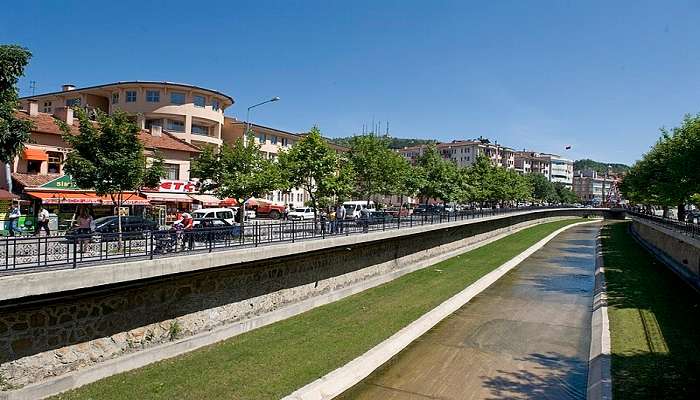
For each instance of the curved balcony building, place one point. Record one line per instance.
(189, 112)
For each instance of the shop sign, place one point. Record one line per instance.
(177, 186)
(62, 182)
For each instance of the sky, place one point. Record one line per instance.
(600, 76)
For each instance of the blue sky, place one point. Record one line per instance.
(602, 76)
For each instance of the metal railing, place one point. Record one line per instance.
(30, 253)
(687, 228)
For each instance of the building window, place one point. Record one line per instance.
(215, 105)
(273, 139)
(261, 137)
(153, 96)
(73, 102)
(115, 98)
(285, 141)
(33, 166)
(177, 98)
(176, 126)
(130, 96)
(172, 171)
(54, 162)
(153, 122)
(47, 107)
(199, 101)
(200, 130)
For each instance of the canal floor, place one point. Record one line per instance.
(526, 336)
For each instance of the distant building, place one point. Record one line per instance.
(527, 162)
(465, 152)
(190, 113)
(412, 153)
(592, 188)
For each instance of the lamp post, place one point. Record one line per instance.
(247, 115)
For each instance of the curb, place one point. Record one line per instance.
(599, 385)
(157, 353)
(338, 381)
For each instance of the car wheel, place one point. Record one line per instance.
(274, 214)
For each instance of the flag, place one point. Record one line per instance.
(568, 147)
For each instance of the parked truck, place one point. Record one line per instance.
(266, 208)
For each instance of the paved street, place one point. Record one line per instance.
(527, 336)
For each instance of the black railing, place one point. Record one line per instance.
(22, 253)
(687, 228)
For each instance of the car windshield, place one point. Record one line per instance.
(302, 210)
(199, 214)
(104, 220)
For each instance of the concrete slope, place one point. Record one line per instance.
(526, 336)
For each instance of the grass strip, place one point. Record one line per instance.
(273, 361)
(654, 323)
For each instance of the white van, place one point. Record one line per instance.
(353, 208)
(223, 213)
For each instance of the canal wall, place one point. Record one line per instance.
(54, 324)
(678, 251)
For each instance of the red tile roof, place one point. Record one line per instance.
(46, 123)
(33, 180)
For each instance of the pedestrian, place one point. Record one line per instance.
(188, 226)
(340, 213)
(364, 218)
(84, 227)
(42, 222)
(14, 219)
(332, 218)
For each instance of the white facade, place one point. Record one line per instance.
(560, 169)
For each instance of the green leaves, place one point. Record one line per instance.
(239, 171)
(14, 132)
(669, 174)
(107, 155)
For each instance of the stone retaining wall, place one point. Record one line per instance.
(50, 335)
(680, 252)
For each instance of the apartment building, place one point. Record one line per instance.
(413, 152)
(190, 113)
(527, 162)
(561, 170)
(37, 172)
(465, 152)
(593, 188)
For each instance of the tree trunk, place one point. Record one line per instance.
(8, 177)
(119, 218)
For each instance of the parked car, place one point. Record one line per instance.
(262, 207)
(229, 214)
(429, 209)
(215, 228)
(379, 216)
(301, 213)
(396, 211)
(353, 208)
(132, 227)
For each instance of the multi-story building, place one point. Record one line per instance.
(561, 169)
(413, 152)
(593, 188)
(527, 162)
(190, 113)
(37, 172)
(465, 152)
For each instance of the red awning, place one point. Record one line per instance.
(66, 198)
(168, 197)
(35, 154)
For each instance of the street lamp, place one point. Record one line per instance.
(247, 115)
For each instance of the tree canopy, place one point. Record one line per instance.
(14, 132)
(669, 174)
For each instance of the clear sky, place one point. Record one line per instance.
(602, 76)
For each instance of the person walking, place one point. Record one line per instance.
(340, 213)
(14, 219)
(84, 227)
(42, 222)
(332, 218)
(188, 231)
(364, 218)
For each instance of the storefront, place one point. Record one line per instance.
(173, 197)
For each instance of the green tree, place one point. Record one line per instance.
(566, 195)
(542, 189)
(370, 158)
(108, 157)
(403, 178)
(239, 172)
(440, 177)
(14, 132)
(313, 166)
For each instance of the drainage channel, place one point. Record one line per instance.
(527, 336)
